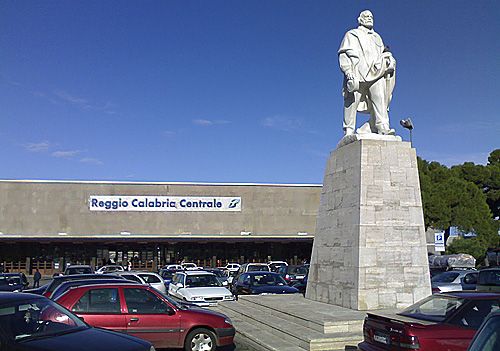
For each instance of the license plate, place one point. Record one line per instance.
(300, 276)
(381, 338)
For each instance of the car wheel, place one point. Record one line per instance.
(200, 340)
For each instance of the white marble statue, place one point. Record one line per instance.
(369, 78)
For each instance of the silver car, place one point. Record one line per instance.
(455, 280)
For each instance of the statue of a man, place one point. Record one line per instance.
(369, 77)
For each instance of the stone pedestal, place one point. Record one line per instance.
(369, 250)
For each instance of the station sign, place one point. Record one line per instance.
(151, 203)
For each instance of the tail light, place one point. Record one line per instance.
(287, 277)
(407, 342)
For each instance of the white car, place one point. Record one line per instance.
(110, 269)
(174, 267)
(199, 287)
(149, 278)
(189, 266)
(232, 267)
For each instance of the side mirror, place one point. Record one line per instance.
(179, 285)
(170, 311)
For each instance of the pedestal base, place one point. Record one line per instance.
(369, 250)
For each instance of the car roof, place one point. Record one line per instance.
(260, 272)
(9, 297)
(79, 266)
(110, 285)
(196, 273)
(472, 294)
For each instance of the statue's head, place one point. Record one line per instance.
(365, 19)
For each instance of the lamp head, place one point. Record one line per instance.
(407, 123)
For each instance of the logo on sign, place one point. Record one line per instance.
(234, 203)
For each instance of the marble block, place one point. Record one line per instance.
(369, 250)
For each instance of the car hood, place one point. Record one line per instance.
(95, 339)
(205, 291)
(274, 289)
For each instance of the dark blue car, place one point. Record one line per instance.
(34, 323)
(260, 283)
(12, 282)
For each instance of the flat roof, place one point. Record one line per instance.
(122, 182)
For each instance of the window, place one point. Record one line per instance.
(488, 338)
(150, 278)
(446, 277)
(99, 301)
(434, 308)
(141, 301)
(474, 313)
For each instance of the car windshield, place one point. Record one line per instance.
(266, 280)
(36, 318)
(490, 277)
(10, 279)
(446, 277)
(298, 270)
(199, 281)
(257, 268)
(435, 308)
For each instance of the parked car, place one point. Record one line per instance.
(232, 267)
(251, 267)
(444, 322)
(150, 278)
(262, 283)
(61, 289)
(56, 281)
(34, 323)
(12, 282)
(487, 337)
(489, 280)
(198, 287)
(275, 265)
(455, 280)
(37, 291)
(174, 267)
(220, 274)
(139, 309)
(189, 266)
(78, 269)
(293, 274)
(301, 285)
(110, 269)
(167, 275)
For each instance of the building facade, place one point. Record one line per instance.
(48, 224)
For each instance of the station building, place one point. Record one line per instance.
(49, 224)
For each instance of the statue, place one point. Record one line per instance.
(369, 78)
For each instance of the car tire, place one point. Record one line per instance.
(200, 339)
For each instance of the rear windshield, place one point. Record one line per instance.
(435, 308)
(446, 277)
(298, 270)
(149, 278)
(257, 268)
(78, 270)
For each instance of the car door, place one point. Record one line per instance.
(150, 318)
(101, 307)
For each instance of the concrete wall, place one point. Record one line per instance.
(46, 208)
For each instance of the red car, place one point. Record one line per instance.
(441, 322)
(142, 311)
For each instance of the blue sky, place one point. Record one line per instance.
(230, 91)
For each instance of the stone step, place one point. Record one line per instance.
(266, 339)
(283, 327)
(311, 319)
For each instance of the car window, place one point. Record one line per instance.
(474, 313)
(99, 301)
(267, 279)
(434, 308)
(446, 277)
(470, 278)
(132, 277)
(150, 278)
(198, 281)
(142, 301)
(298, 270)
(78, 270)
(257, 268)
(282, 270)
(488, 338)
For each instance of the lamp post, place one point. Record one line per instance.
(408, 124)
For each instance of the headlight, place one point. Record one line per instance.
(228, 321)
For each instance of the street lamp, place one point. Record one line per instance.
(408, 124)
